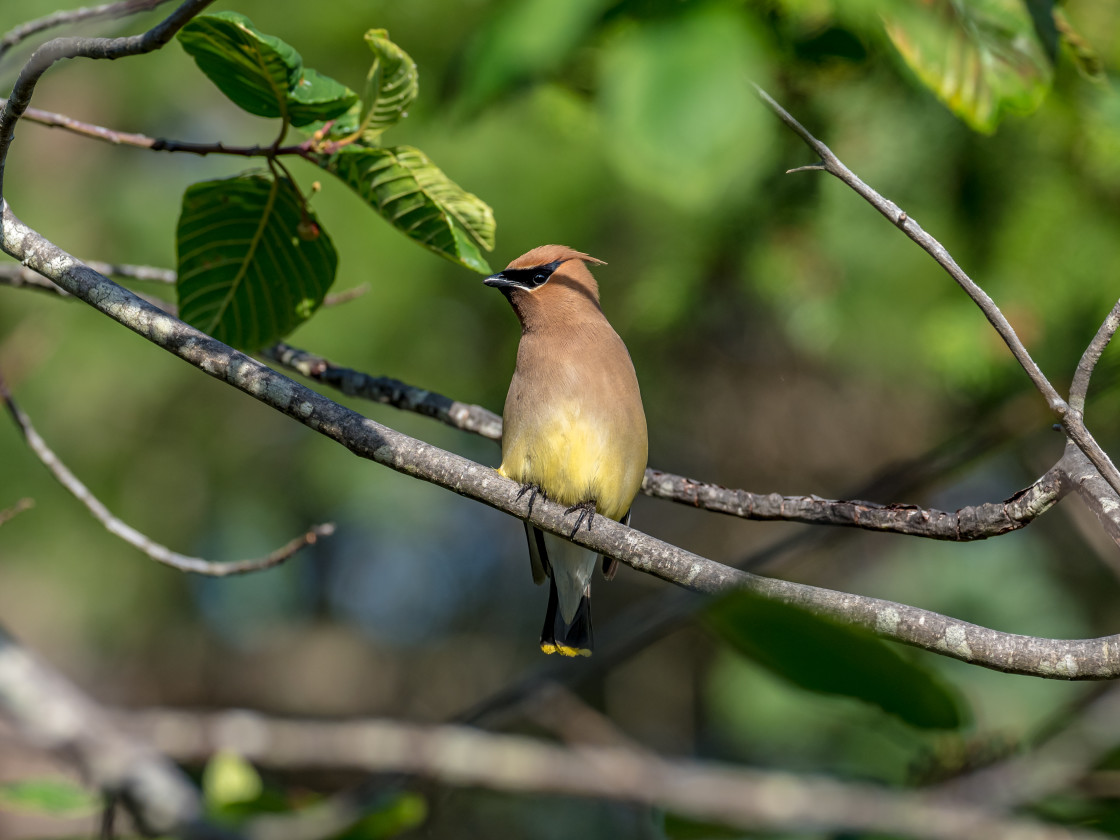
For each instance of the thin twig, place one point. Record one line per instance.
(71, 16)
(155, 144)
(159, 553)
(1079, 388)
(15, 510)
(1069, 416)
(751, 800)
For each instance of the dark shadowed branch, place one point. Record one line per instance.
(1068, 415)
(159, 553)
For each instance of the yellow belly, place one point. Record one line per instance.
(574, 459)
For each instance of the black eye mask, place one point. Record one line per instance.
(524, 278)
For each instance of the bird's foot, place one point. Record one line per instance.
(586, 511)
(533, 490)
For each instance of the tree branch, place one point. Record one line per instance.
(50, 712)
(1054, 658)
(965, 524)
(747, 799)
(71, 16)
(155, 144)
(102, 48)
(1069, 416)
(1080, 385)
(7, 514)
(159, 553)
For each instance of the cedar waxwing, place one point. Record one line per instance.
(574, 427)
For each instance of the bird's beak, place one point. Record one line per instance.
(498, 281)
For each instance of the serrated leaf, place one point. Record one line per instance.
(254, 70)
(252, 267)
(316, 97)
(391, 85)
(982, 58)
(821, 655)
(416, 197)
(56, 797)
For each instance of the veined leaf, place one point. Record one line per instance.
(261, 73)
(317, 97)
(416, 197)
(821, 655)
(252, 267)
(391, 85)
(982, 58)
(254, 70)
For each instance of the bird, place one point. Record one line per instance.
(574, 429)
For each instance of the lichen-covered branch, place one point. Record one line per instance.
(1055, 658)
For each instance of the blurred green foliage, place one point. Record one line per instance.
(786, 338)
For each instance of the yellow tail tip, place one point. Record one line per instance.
(564, 650)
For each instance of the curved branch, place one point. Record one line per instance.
(977, 522)
(71, 16)
(1068, 415)
(1053, 658)
(1080, 386)
(59, 49)
(159, 553)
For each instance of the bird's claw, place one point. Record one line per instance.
(533, 490)
(586, 511)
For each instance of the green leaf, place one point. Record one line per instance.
(417, 198)
(678, 118)
(56, 797)
(821, 655)
(982, 58)
(256, 71)
(252, 266)
(391, 85)
(397, 814)
(521, 42)
(316, 97)
(228, 779)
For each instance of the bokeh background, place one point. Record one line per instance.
(787, 339)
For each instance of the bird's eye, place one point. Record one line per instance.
(539, 278)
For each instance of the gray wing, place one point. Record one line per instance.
(538, 556)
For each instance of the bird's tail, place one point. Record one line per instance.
(572, 638)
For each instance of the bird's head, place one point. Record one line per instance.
(547, 278)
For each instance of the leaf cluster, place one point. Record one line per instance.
(254, 261)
